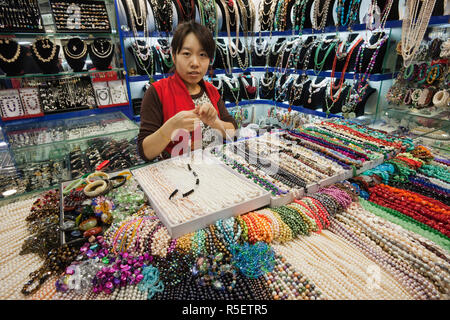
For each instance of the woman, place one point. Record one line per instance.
(183, 101)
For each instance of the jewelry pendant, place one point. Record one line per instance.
(309, 100)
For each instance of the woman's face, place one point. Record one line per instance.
(191, 62)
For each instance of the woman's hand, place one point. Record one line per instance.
(183, 120)
(206, 113)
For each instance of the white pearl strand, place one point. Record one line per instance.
(208, 197)
(15, 269)
(327, 259)
(130, 292)
(160, 193)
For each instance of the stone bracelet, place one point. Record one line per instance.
(95, 188)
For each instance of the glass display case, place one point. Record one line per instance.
(417, 100)
(72, 61)
(43, 154)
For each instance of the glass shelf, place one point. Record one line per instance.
(68, 73)
(325, 74)
(436, 119)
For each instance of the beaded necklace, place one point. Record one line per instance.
(414, 26)
(73, 55)
(14, 57)
(163, 14)
(45, 43)
(341, 81)
(223, 51)
(299, 19)
(320, 14)
(318, 65)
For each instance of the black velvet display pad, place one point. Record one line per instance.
(220, 60)
(281, 92)
(147, 66)
(360, 107)
(241, 54)
(75, 52)
(267, 92)
(368, 53)
(227, 94)
(250, 92)
(20, 16)
(340, 63)
(259, 59)
(273, 53)
(336, 107)
(14, 65)
(44, 52)
(319, 53)
(80, 16)
(101, 52)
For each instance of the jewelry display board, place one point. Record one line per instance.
(10, 104)
(80, 16)
(161, 198)
(20, 16)
(67, 94)
(30, 101)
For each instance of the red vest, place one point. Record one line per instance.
(175, 97)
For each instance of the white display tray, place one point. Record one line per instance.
(179, 230)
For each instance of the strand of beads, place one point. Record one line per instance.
(338, 269)
(421, 208)
(286, 283)
(407, 223)
(363, 236)
(436, 171)
(406, 247)
(15, 268)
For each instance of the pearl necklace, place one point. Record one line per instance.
(414, 26)
(14, 57)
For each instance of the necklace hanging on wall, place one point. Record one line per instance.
(319, 14)
(143, 55)
(16, 54)
(187, 10)
(414, 25)
(266, 14)
(138, 19)
(163, 14)
(44, 44)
